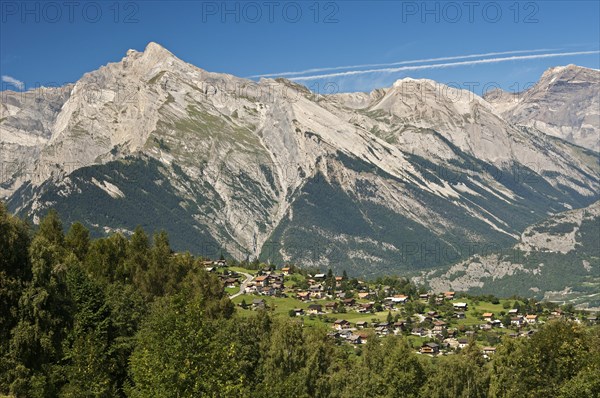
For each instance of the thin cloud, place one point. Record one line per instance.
(415, 61)
(11, 80)
(443, 65)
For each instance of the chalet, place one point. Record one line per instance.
(398, 299)
(424, 296)
(339, 278)
(315, 309)
(316, 288)
(317, 295)
(430, 348)
(462, 343)
(319, 277)
(316, 292)
(460, 306)
(345, 333)
(382, 331)
(439, 326)
(517, 320)
(488, 316)
(361, 324)
(221, 263)
(349, 302)
(341, 324)
(259, 304)
(593, 319)
(531, 319)
(230, 282)
(364, 295)
(486, 327)
(286, 270)
(449, 295)
(250, 288)
(433, 314)
(262, 280)
(557, 313)
(332, 306)
(304, 296)
(365, 307)
(355, 339)
(298, 311)
(363, 337)
(488, 351)
(513, 312)
(267, 291)
(399, 326)
(418, 332)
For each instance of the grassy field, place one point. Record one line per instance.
(283, 305)
(239, 269)
(473, 314)
(232, 290)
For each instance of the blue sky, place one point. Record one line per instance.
(54, 43)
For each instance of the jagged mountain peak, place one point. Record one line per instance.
(570, 68)
(152, 50)
(565, 103)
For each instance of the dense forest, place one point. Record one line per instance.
(127, 317)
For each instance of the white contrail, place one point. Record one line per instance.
(415, 61)
(444, 65)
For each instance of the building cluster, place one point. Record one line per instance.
(323, 296)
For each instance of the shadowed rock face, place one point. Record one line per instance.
(262, 168)
(564, 103)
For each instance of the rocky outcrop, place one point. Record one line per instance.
(564, 103)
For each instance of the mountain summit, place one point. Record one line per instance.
(410, 177)
(565, 103)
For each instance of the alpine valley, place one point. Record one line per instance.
(497, 194)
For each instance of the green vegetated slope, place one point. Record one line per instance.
(572, 277)
(556, 259)
(146, 197)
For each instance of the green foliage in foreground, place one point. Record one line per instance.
(126, 317)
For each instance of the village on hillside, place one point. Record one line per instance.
(355, 311)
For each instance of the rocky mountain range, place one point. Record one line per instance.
(407, 178)
(565, 103)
